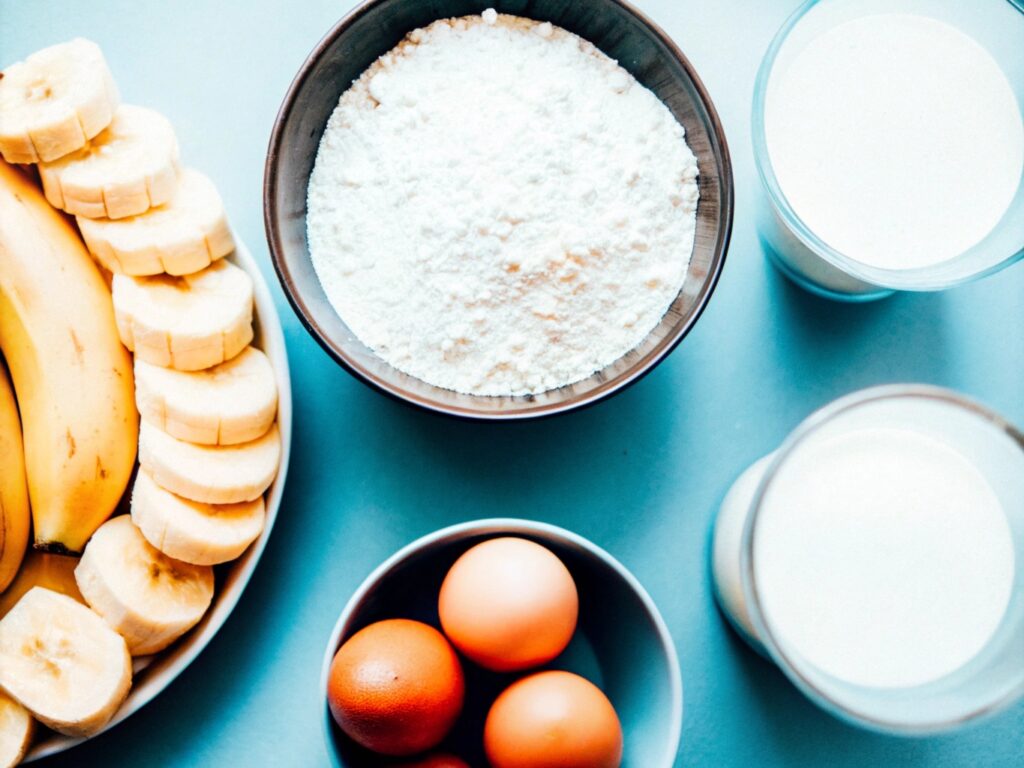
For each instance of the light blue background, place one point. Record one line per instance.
(640, 474)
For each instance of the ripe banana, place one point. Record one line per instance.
(182, 236)
(190, 531)
(71, 374)
(231, 403)
(55, 101)
(16, 730)
(128, 168)
(213, 474)
(15, 517)
(189, 323)
(145, 596)
(41, 569)
(63, 663)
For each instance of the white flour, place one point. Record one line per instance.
(498, 208)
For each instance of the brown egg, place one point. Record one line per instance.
(553, 720)
(509, 604)
(396, 687)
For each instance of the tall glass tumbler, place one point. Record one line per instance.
(991, 678)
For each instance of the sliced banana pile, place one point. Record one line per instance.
(209, 446)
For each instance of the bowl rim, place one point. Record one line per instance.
(596, 395)
(170, 664)
(500, 526)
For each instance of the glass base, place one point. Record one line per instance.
(806, 268)
(826, 293)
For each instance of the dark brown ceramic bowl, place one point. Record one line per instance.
(371, 30)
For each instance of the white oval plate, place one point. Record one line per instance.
(154, 673)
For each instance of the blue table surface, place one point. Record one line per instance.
(640, 474)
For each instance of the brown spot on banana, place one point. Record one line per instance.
(71, 443)
(79, 349)
(101, 471)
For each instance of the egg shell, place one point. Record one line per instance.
(509, 604)
(553, 720)
(396, 687)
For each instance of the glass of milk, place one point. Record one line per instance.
(877, 557)
(889, 138)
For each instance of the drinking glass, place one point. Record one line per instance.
(998, 26)
(989, 681)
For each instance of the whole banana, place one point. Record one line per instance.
(72, 377)
(14, 512)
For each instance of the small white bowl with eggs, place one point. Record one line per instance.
(621, 643)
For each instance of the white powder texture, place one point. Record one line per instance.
(498, 208)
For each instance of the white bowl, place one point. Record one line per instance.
(621, 643)
(154, 673)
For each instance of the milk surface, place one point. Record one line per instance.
(896, 138)
(882, 557)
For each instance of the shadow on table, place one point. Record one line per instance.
(801, 733)
(820, 341)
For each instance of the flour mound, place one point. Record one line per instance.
(498, 208)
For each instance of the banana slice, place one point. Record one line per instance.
(190, 531)
(189, 323)
(180, 237)
(63, 663)
(213, 474)
(16, 729)
(129, 167)
(54, 101)
(148, 598)
(231, 403)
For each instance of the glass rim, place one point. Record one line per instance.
(912, 279)
(796, 670)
